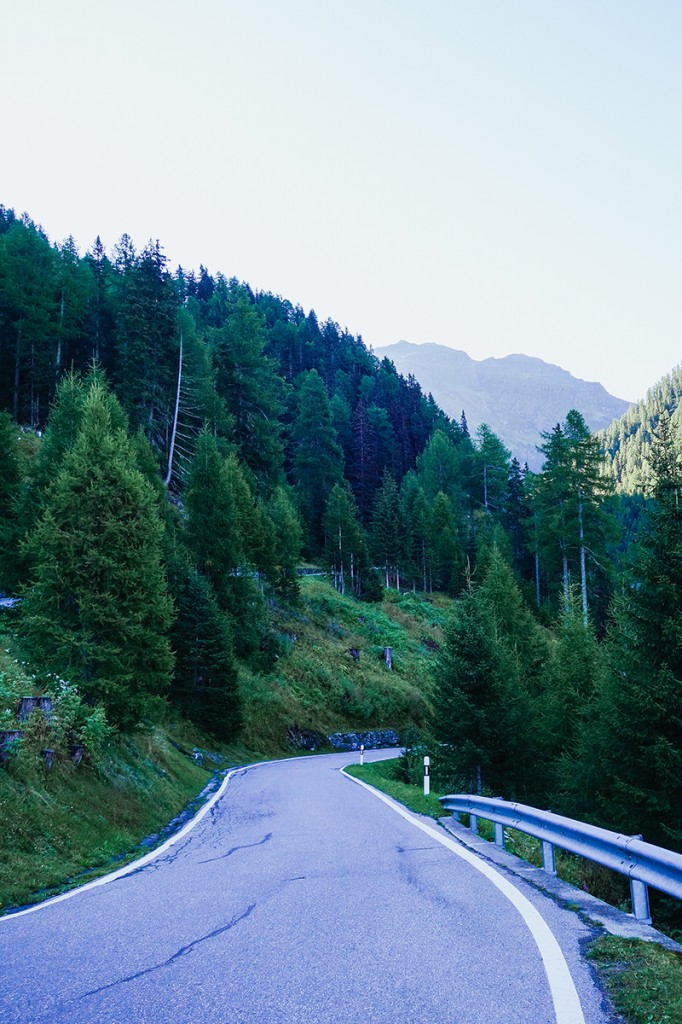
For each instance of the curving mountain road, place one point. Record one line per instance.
(300, 898)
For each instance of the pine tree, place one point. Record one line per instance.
(97, 609)
(288, 540)
(569, 501)
(629, 761)
(416, 521)
(10, 480)
(254, 392)
(572, 673)
(387, 531)
(481, 704)
(445, 555)
(204, 685)
(345, 543)
(217, 500)
(492, 463)
(317, 456)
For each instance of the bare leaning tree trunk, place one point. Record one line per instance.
(583, 572)
(174, 431)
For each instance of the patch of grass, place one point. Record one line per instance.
(57, 824)
(316, 683)
(63, 827)
(643, 979)
(384, 776)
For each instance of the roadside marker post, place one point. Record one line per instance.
(427, 780)
(362, 753)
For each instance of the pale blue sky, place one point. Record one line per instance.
(496, 176)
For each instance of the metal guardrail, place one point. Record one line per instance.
(643, 863)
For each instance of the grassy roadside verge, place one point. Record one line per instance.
(642, 979)
(383, 775)
(61, 828)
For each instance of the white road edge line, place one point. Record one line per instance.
(565, 997)
(135, 864)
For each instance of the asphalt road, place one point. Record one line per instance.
(300, 898)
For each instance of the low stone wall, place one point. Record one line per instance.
(368, 740)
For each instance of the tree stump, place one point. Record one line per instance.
(29, 704)
(48, 757)
(26, 706)
(45, 705)
(354, 653)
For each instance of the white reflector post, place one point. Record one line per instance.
(427, 780)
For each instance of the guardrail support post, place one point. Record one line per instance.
(548, 861)
(639, 895)
(473, 824)
(499, 835)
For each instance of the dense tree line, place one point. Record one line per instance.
(628, 441)
(198, 439)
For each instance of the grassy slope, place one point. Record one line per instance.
(316, 684)
(56, 824)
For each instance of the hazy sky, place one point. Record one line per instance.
(495, 175)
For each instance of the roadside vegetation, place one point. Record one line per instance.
(66, 824)
(643, 979)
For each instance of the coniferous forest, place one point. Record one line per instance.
(175, 446)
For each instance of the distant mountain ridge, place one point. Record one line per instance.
(518, 396)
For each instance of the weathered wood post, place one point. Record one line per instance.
(26, 706)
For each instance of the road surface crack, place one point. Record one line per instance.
(247, 846)
(183, 951)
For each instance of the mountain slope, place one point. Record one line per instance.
(627, 441)
(517, 396)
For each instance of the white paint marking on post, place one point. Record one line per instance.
(362, 753)
(427, 777)
(567, 1008)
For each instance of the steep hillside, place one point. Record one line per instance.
(627, 441)
(517, 396)
(328, 674)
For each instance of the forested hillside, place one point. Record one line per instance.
(628, 440)
(174, 447)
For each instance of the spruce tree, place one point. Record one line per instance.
(218, 500)
(317, 456)
(10, 479)
(97, 609)
(387, 531)
(345, 543)
(482, 706)
(204, 685)
(288, 540)
(629, 761)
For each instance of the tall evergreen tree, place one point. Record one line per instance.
(217, 498)
(288, 541)
(10, 479)
(254, 392)
(317, 456)
(387, 531)
(629, 761)
(97, 609)
(204, 683)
